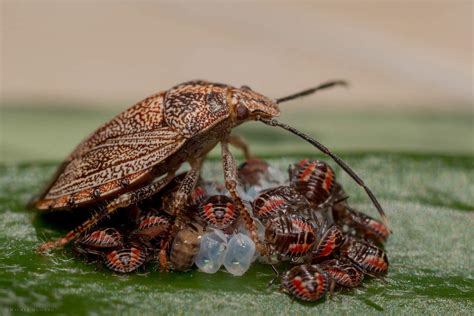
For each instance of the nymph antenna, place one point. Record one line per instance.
(339, 161)
(306, 92)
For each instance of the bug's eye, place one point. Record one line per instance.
(242, 112)
(246, 88)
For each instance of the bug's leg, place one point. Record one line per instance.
(230, 175)
(123, 200)
(239, 143)
(332, 287)
(277, 276)
(179, 201)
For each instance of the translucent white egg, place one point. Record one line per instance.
(260, 234)
(211, 252)
(239, 254)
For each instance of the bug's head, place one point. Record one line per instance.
(248, 105)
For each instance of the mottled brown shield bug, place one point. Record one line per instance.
(133, 156)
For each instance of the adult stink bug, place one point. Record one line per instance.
(138, 152)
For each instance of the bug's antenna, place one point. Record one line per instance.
(339, 161)
(306, 92)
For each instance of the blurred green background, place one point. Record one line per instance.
(406, 125)
(50, 133)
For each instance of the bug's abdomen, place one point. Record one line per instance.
(330, 240)
(290, 235)
(366, 256)
(153, 226)
(314, 179)
(91, 194)
(343, 273)
(102, 239)
(306, 282)
(366, 226)
(280, 200)
(269, 205)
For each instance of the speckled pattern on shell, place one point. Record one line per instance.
(125, 150)
(190, 109)
(114, 157)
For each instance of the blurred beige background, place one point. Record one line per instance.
(397, 53)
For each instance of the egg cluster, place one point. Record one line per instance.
(302, 218)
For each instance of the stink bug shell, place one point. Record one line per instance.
(343, 272)
(314, 179)
(125, 260)
(153, 226)
(289, 235)
(279, 200)
(368, 257)
(306, 282)
(329, 240)
(102, 239)
(218, 211)
(365, 226)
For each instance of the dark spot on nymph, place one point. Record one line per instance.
(124, 182)
(97, 193)
(71, 201)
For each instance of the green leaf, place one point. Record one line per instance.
(428, 198)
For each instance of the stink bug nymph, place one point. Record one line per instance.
(138, 152)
